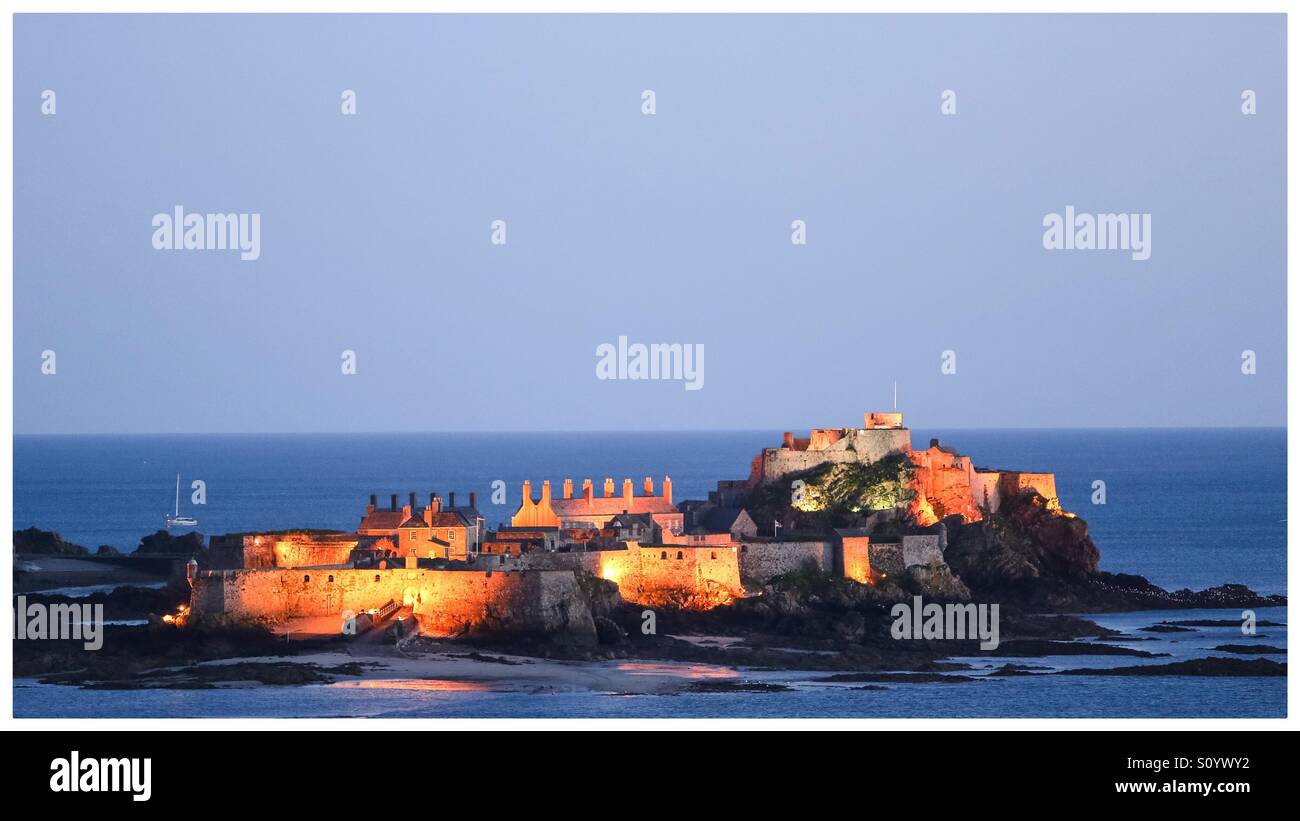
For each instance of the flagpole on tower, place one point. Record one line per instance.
(895, 394)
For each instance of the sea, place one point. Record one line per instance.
(1184, 507)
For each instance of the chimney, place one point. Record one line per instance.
(609, 487)
(371, 508)
(546, 492)
(528, 491)
(587, 490)
(451, 499)
(627, 491)
(789, 440)
(392, 503)
(568, 488)
(473, 500)
(412, 501)
(668, 490)
(649, 486)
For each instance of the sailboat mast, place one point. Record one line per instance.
(178, 494)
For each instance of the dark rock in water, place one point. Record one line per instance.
(1035, 648)
(484, 657)
(1219, 623)
(1024, 625)
(1213, 666)
(1017, 670)
(736, 687)
(1166, 628)
(1034, 557)
(1251, 649)
(896, 678)
(207, 676)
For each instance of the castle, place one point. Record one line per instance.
(442, 566)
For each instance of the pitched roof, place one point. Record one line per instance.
(468, 513)
(381, 520)
(722, 519)
(450, 518)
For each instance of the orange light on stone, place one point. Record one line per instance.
(179, 618)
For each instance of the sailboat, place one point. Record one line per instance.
(177, 520)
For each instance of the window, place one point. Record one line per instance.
(713, 554)
(376, 577)
(679, 555)
(330, 579)
(744, 548)
(663, 555)
(306, 579)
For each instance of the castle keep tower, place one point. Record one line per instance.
(882, 435)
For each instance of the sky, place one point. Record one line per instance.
(924, 230)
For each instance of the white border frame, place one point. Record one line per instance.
(7, 721)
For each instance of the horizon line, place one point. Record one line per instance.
(478, 431)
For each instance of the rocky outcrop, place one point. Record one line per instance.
(935, 581)
(1032, 555)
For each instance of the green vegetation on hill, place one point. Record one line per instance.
(834, 495)
(859, 487)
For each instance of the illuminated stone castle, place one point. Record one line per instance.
(439, 563)
(945, 482)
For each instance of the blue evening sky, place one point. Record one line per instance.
(924, 230)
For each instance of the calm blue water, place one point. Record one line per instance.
(1049, 696)
(1184, 507)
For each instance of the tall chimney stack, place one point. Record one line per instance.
(609, 487)
(587, 489)
(451, 499)
(627, 491)
(392, 503)
(412, 501)
(649, 486)
(568, 488)
(473, 500)
(788, 441)
(371, 509)
(668, 490)
(546, 491)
